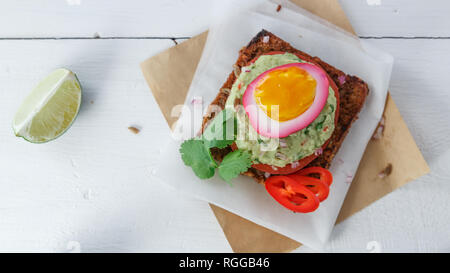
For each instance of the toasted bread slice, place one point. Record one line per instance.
(352, 95)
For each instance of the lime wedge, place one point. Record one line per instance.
(50, 108)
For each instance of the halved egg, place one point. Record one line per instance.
(286, 99)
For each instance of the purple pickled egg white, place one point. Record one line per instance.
(268, 127)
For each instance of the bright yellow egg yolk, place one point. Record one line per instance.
(285, 94)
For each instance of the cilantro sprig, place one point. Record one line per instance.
(234, 164)
(220, 133)
(197, 155)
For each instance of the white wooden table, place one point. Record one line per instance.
(88, 190)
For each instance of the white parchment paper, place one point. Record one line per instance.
(316, 37)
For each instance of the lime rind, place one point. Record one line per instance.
(50, 109)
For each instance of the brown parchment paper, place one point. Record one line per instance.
(169, 75)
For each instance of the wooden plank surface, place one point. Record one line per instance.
(90, 185)
(179, 18)
(80, 193)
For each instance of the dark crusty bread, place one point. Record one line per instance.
(352, 94)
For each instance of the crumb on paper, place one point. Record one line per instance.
(348, 177)
(379, 131)
(92, 102)
(196, 100)
(97, 35)
(300, 36)
(386, 171)
(87, 195)
(134, 130)
(278, 8)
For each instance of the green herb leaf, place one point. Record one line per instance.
(198, 156)
(307, 129)
(320, 124)
(234, 164)
(221, 132)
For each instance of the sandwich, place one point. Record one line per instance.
(280, 118)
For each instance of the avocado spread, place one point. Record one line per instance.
(271, 151)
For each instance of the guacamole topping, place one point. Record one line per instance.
(273, 151)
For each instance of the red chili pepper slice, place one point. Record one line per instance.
(291, 194)
(325, 175)
(318, 187)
